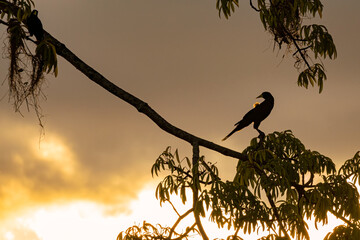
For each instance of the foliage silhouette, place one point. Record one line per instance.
(283, 19)
(297, 183)
(280, 186)
(26, 70)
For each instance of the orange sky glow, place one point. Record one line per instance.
(86, 175)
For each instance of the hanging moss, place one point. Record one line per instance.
(37, 74)
(16, 51)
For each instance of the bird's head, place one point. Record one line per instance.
(34, 12)
(266, 95)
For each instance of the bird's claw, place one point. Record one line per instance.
(261, 138)
(261, 134)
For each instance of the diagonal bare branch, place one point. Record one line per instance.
(140, 105)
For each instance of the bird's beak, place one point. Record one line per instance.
(260, 96)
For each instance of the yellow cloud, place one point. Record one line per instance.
(54, 152)
(34, 173)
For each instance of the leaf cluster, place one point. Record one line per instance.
(283, 19)
(19, 9)
(280, 168)
(181, 177)
(284, 169)
(47, 52)
(344, 232)
(319, 40)
(278, 187)
(148, 232)
(26, 70)
(351, 168)
(226, 7)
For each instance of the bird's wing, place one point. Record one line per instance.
(249, 117)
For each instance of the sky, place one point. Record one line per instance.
(91, 168)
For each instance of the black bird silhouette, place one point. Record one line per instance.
(35, 26)
(256, 115)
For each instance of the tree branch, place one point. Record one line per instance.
(172, 230)
(348, 222)
(195, 189)
(272, 203)
(188, 175)
(3, 22)
(215, 177)
(301, 49)
(298, 48)
(253, 7)
(185, 233)
(172, 205)
(140, 105)
(276, 214)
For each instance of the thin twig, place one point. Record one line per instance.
(348, 222)
(179, 169)
(253, 7)
(211, 172)
(3, 22)
(301, 49)
(298, 49)
(173, 207)
(186, 232)
(172, 230)
(237, 231)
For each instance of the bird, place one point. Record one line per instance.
(35, 26)
(255, 115)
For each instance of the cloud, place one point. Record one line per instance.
(17, 233)
(16, 230)
(33, 173)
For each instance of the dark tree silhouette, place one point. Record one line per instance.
(279, 166)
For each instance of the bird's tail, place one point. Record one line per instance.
(232, 132)
(239, 125)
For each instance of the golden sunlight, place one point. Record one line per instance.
(9, 236)
(89, 220)
(82, 220)
(54, 151)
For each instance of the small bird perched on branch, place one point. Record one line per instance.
(35, 26)
(256, 115)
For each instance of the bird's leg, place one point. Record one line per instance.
(261, 134)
